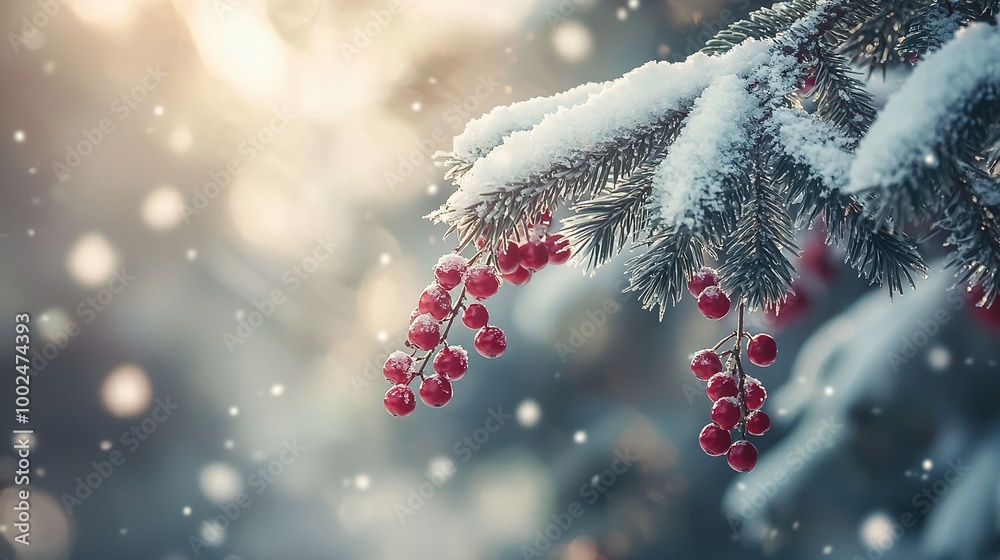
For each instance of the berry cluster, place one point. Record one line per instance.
(431, 320)
(737, 398)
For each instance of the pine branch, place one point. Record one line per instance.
(841, 99)
(973, 218)
(755, 266)
(763, 23)
(660, 275)
(873, 43)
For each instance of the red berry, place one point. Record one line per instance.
(509, 259)
(758, 422)
(722, 385)
(754, 394)
(424, 332)
(519, 277)
(534, 255)
(762, 350)
(701, 279)
(713, 303)
(449, 270)
(452, 362)
(414, 314)
(435, 301)
(398, 368)
(558, 246)
(475, 316)
(705, 364)
(742, 456)
(435, 390)
(809, 82)
(399, 401)
(726, 413)
(490, 341)
(714, 440)
(481, 281)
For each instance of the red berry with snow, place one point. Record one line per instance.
(481, 281)
(519, 277)
(435, 301)
(490, 341)
(762, 350)
(722, 385)
(452, 362)
(714, 440)
(509, 259)
(558, 246)
(754, 394)
(399, 401)
(424, 332)
(475, 316)
(534, 255)
(449, 270)
(705, 364)
(398, 368)
(758, 423)
(435, 391)
(414, 314)
(713, 303)
(701, 279)
(742, 456)
(726, 413)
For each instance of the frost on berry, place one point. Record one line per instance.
(701, 279)
(490, 341)
(534, 255)
(475, 316)
(424, 332)
(481, 281)
(714, 440)
(399, 401)
(705, 364)
(754, 394)
(398, 368)
(452, 362)
(713, 303)
(726, 413)
(435, 391)
(722, 385)
(449, 270)
(435, 301)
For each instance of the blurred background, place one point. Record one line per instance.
(211, 210)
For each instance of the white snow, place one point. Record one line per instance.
(706, 153)
(488, 131)
(400, 360)
(633, 102)
(815, 144)
(451, 262)
(930, 100)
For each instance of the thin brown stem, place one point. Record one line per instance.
(739, 369)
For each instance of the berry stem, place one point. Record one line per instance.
(444, 336)
(723, 341)
(739, 368)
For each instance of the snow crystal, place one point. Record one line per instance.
(424, 323)
(399, 360)
(488, 131)
(932, 98)
(815, 144)
(705, 153)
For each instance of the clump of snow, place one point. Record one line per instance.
(400, 360)
(932, 98)
(815, 144)
(705, 155)
(425, 323)
(483, 134)
(451, 262)
(457, 349)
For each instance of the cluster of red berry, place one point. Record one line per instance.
(736, 397)
(432, 319)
